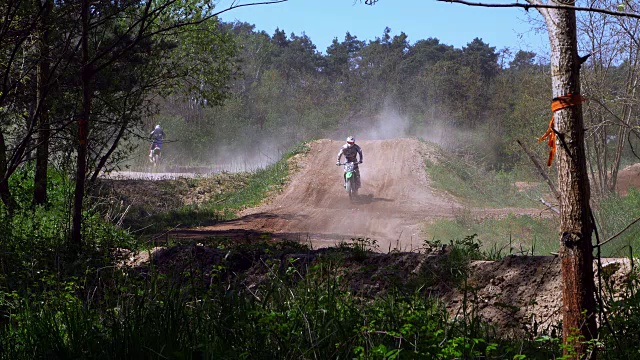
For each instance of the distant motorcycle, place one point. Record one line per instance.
(350, 182)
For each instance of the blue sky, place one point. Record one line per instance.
(452, 24)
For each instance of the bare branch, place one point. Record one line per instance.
(618, 234)
(526, 7)
(540, 169)
(550, 206)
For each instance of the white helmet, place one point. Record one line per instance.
(157, 126)
(351, 140)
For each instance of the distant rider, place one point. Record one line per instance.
(350, 150)
(157, 135)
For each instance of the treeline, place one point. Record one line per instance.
(287, 91)
(476, 99)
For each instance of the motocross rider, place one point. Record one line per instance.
(157, 135)
(350, 150)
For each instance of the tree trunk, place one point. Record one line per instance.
(83, 129)
(5, 191)
(578, 288)
(42, 108)
(105, 157)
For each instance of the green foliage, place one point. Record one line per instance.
(360, 248)
(34, 240)
(513, 234)
(454, 265)
(622, 306)
(289, 316)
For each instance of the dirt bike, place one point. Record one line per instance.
(155, 156)
(350, 182)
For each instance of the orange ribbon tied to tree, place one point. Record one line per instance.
(558, 103)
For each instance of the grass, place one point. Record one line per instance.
(477, 186)
(523, 234)
(297, 312)
(613, 214)
(513, 234)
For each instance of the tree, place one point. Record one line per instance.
(610, 79)
(576, 226)
(128, 27)
(480, 63)
(42, 104)
(567, 131)
(341, 57)
(522, 60)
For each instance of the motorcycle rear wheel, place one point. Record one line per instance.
(155, 159)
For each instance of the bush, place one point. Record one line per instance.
(34, 239)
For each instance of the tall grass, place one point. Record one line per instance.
(34, 239)
(292, 315)
(513, 234)
(615, 213)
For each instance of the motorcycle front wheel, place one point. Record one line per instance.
(350, 189)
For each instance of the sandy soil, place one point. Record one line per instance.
(395, 199)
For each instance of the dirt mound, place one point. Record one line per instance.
(519, 295)
(628, 178)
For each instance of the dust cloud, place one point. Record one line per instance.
(255, 149)
(393, 123)
(257, 154)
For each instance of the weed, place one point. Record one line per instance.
(453, 264)
(360, 247)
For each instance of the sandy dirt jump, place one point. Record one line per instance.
(395, 199)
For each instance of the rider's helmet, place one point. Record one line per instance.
(157, 126)
(351, 140)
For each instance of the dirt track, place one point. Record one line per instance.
(395, 199)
